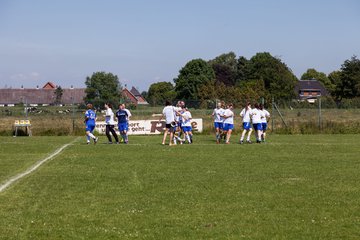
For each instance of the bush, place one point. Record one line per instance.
(349, 103)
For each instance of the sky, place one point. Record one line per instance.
(147, 41)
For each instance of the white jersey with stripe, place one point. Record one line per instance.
(245, 114)
(229, 116)
(186, 119)
(109, 117)
(256, 116)
(218, 112)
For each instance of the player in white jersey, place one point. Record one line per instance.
(264, 121)
(110, 123)
(228, 122)
(218, 121)
(178, 119)
(256, 118)
(246, 116)
(186, 125)
(169, 113)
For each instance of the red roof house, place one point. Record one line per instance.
(49, 85)
(134, 96)
(45, 95)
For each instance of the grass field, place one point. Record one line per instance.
(293, 187)
(299, 121)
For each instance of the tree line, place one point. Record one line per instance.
(237, 79)
(232, 79)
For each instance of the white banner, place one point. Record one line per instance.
(145, 127)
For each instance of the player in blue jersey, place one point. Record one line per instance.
(90, 118)
(123, 122)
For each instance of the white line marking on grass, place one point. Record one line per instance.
(13, 179)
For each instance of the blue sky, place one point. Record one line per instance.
(145, 41)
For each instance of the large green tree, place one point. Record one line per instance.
(279, 81)
(194, 74)
(224, 74)
(335, 79)
(349, 86)
(248, 91)
(242, 70)
(102, 87)
(160, 92)
(228, 59)
(311, 73)
(225, 68)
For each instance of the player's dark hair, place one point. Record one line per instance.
(222, 104)
(261, 106)
(109, 104)
(247, 106)
(167, 103)
(256, 105)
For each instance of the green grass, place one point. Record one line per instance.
(18, 154)
(293, 187)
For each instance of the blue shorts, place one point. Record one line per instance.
(246, 125)
(257, 126)
(264, 126)
(218, 125)
(123, 126)
(186, 129)
(90, 128)
(228, 126)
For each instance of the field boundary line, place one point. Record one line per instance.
(33, 168)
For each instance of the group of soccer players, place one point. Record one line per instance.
(123, 115)
(224, 122)
(178, 123)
